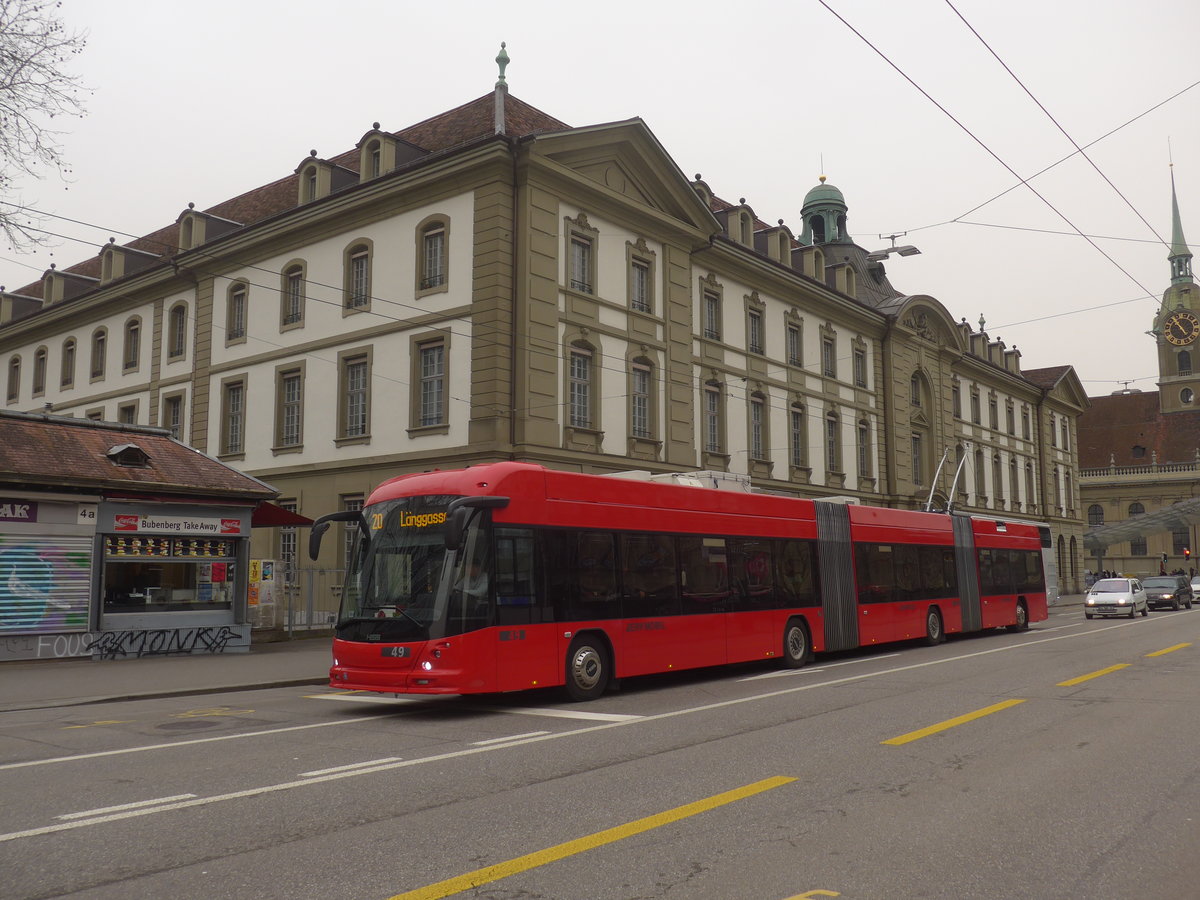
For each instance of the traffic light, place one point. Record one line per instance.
(1164, 558)
(1187, 554)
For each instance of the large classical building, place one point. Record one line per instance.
(1140, 450)
(492, 283)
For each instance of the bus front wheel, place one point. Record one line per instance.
(795, 644)
(587, 669)
(934, 633)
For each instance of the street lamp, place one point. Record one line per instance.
(903, 250)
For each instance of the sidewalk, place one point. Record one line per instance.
(72, 682)
(55, 683)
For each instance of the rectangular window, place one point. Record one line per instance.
(1066, 433)
(132, 345)
(832, 446)
(581, 264)
(1053, 431)
(433, 384)
(1009, 422)
(757, 449)
(860, 368)
(354, 397)
(291, 386)
(975, 407)
(234, 417)
(1025, 422)
(639, 287)
(173, 416)
(828, 358)
(434, 258)
(235, 326)
(712, 420)
(754, 337)
(795, 355)
(993, 414)
(287, 545)
(39, 373)
(918, 468)
(127, 413)
(639, 406)
(864, 450)
(956, 399)
(358, 298)
(349, 529)
(99, 349)
(581, 389)
(67, 377)
(712, 315)
(797, 430)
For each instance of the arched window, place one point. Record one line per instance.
(817, 223)
(1183, 362)
(433, 237)
(291, 296)
(1136, 509)
(67, 376)
(14, 379)
(99, 352)
(235, 312)
(357, 286)
(914, 389)
(1095, 514)
(39, 372)
(177, 331)
(133, 344)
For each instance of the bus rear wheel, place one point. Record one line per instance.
(934, 633)
(1022, 623)
(796, 646)
(587, 669)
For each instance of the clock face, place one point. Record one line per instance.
(1181, 328)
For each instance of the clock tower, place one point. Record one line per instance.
(1177, 326)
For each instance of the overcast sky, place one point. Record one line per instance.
(198, 102)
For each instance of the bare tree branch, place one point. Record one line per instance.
(35, 88)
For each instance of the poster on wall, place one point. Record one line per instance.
(44, 583)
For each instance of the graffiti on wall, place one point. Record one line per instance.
(162, 642)
(127, 644)
(44, 584)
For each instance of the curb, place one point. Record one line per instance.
(159, 695)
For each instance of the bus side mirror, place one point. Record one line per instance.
(321, 525)
(455, 526)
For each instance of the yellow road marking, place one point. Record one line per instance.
(599, 839)
(1082, 678)
(809, 895)
(951, 723)
(1167, 650)
(105, 722)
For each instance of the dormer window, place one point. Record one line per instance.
(375, 155)
(310, 185)
(129, 456)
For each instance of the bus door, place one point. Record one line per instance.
(526, 647)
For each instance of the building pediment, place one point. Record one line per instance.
(927, 320)
(625, 160)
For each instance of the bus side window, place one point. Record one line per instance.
(876, 572)
(648, 576)
(517, 602)
(794, 582)
(595, 577)
(704, 574)
(752, 574)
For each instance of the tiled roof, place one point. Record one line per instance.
(1116, 424)
(35, 450)
(1046, 378)
(453, 128)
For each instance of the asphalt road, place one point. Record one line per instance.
(1057, 763)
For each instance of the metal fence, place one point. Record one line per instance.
(304, 600)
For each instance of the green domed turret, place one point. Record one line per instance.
(824, 214)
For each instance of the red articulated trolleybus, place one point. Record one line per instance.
(510, 576)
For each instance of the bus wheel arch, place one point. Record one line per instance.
(1022, 616)
(797, 643)
(935, 629)
(588, 666)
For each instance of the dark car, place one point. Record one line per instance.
(1168, 590)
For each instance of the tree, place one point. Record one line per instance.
(35, 47)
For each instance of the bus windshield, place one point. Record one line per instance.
(395, 566)
(402, 584)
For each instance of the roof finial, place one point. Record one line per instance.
(502, 62)
(982, 322)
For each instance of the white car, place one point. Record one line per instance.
(1196, 586)
(1116, 597)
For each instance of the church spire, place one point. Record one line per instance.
(1180, 256)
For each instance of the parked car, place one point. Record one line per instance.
(1195, 585)
(1116, 597)
(1168, 590)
